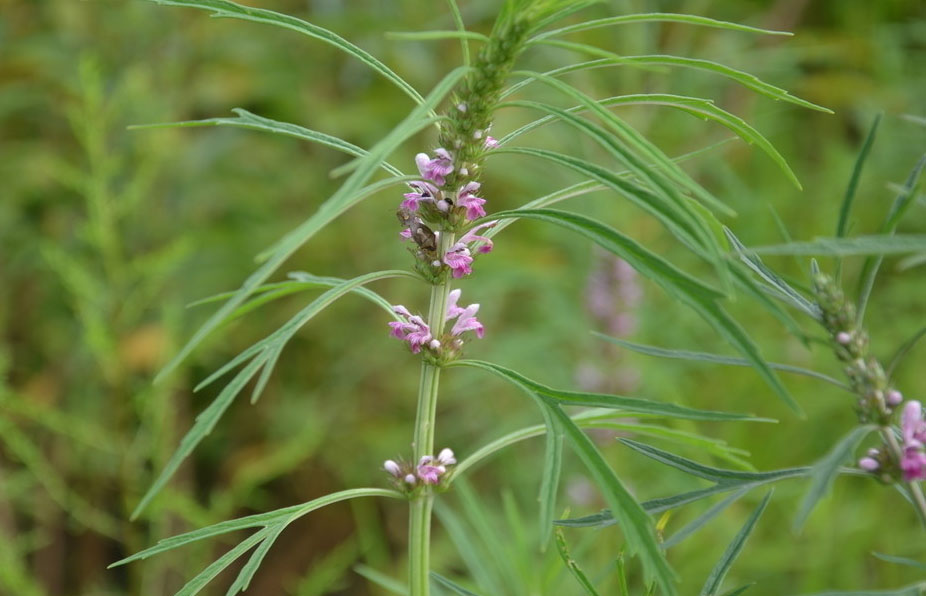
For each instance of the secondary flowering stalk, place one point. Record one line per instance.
(878, 402)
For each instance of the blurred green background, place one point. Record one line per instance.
(107, 234)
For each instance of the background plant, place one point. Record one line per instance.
(538, 358)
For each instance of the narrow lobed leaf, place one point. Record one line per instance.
(715, 579)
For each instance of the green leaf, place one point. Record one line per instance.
(381, 579)
(347, 195)
(635, 524)
(549, 483)
(572, 565)
(435, 35)
(656, 17)
(699, 107)
(900, 560)
(825, 471)
(265, 520)
(678, 284)
(704, 518)
(461, 27)
(718, 475)
(715, 359)
(917, 589)
(216, 567)
(889, 227)
(743, 78)
(843, 224)
(486, 577)
(257, 557)
(630, 141)
(902, 352)
(739, 590)
(251, 121)
(676, 222)
(775, 284)
(225, 8)
(264, 355)
(450, 585)
(567, 9)
(629, 405)
(847, 247)
(715, 579)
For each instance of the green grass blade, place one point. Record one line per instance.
(656, 17)
(715, 579)
(450, 585)
(842, 226)
(259, 520)
(739, 590)
(825, 471)
(701, 298)
(381, 579)
(251, 121)
(916, 589)
(572, 565)
(715, 359)
(848, 247)
(630, 405)
(227, 9)
(704, 518)
(743, 78)
(342, 199)
(900, 560)
(568, 9)
(696, 106)
(483, 574)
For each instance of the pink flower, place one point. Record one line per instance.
(912, 425)
(406, 233)
(466, 318)
(472, 203)
(445, 457)
(913, 464)
(434, 169)
(413, 330)
(428, 472)
(467, 322)
(423, 191)
(459, 258)
(491, 142)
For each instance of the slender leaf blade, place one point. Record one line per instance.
(715, 579)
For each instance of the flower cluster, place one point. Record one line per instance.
(429, 470)
(431, 201)
(913, 429)
(414, 330)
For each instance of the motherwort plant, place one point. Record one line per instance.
(445, 222)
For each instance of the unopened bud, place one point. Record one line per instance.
(844, 337)
(894, 397)
(868, 464)
(410, 479)
(392, 467)
(434, 345)
(461, 107)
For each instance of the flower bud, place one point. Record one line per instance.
(392, 467)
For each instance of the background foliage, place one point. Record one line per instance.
(106, 235)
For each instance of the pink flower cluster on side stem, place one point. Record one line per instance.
(414, 330)
(428, 471)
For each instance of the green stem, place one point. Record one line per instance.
(419, 523)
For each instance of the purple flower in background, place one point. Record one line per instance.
(434, 169)
(413, 330)
(423, 191)
(472, 203)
